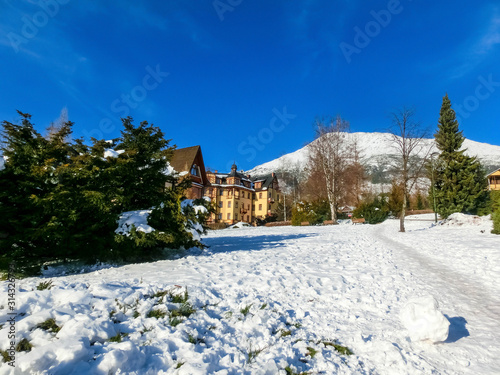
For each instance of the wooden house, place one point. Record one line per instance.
(188, 163)
(494, 180)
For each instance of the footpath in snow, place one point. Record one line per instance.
(269, 301)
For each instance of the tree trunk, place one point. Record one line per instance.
(403, 212)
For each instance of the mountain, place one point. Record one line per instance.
(377, 154)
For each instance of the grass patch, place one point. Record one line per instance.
(45, 285)
(185, 310)
(175, 321)
(263, 306)
(290, 371)
(344, 350)
(24, 346)
(195, 340)
(49, 325)
(5, 356)
(179, 298)
(284, 333)
(179, 365)
(311, 352)
(246, 310)
(253, 353)
(136, 314)
(145, 329)
(118, 337)
(228, 315)
(156, 313)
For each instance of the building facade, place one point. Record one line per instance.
(494, 180)
(238, 197)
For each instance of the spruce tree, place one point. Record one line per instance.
(460, 181)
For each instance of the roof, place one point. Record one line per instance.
(183, 158)
(498, 170)
(267, 180)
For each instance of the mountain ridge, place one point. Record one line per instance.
(376, 151)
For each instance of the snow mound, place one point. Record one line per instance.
(459, 219)
(424, 321)
(241, 224)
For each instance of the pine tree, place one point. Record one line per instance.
(460, 183)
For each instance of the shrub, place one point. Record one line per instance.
(303, 211)
(495, 200)
(375, 211)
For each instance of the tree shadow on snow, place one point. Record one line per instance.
(264, 242)
(458, 329)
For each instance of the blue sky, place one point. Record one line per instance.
(246, 79)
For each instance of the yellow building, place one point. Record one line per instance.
(494, 180)
(239, 197)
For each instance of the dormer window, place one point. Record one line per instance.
(195, 170)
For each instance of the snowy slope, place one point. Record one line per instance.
(377, 151)
(268, 298)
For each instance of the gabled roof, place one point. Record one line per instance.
(184, 158)
(493, 172)
(267, 180)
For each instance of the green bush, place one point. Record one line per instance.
(304, 212)
(495, 199)
(60, 199)
(373, 211)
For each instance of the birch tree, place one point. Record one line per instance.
(331, 154)
(407, 138)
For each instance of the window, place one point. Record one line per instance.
(260, 195)
(229, 216)
(235, 216)
(236, 205)
(221, 192)
(260, 207)
(220, 216)
(243, 194)
(194, 170)
(248, 218)
(221, 204)
(278, 197)
(229, 204)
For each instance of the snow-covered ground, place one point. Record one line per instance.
(267, 299)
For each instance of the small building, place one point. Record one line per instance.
(494, 180)
(188, 163)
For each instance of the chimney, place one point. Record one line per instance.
(272, 174)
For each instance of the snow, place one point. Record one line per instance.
(110, 153)
(169, 170)
(138, 218)
(240, 224)
(197, 208)
(375, 149)
(277, 292)
(2, 162)
(424, 321)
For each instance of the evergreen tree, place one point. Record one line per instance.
(460, 183)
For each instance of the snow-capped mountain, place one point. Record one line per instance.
(377, 154)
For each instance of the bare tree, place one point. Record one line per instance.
(407, 137)
(54, 127)
(332, 152)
